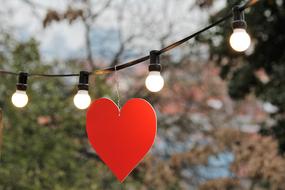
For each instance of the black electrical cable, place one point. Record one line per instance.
(145, 58)
(163, 50)
(54, 75)
(8, 72)
(175, 44)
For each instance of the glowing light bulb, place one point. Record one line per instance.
(154, 81)
(240, 40)
(20, 98)
(82, 99)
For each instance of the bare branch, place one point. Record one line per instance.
(163, 39)
(121, 50)
(89, 46)
(99, 12)
(88, 19)
(123, 42)
(35, 7)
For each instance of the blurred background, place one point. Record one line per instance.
(221, 123)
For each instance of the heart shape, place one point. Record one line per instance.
(121, 138)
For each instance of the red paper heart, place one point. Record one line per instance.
(121, 138)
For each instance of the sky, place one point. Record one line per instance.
(64, 41)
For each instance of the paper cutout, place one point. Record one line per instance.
(123, 137)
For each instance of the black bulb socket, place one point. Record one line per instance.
(154, 61)
(83, 80)
(22, 81)
(238, 18)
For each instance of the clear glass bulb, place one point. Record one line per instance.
(240, 40)
(154, 81)
(82, 99)
(20, 98)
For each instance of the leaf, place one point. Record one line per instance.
(51, 16)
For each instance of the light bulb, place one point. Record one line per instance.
(154, 81)
(20, 98)
(240, 40)
(82, 99)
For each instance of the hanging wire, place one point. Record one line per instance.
(108, 70)
(117, 86)
(8, 72)
(54, 75)
(248, 4)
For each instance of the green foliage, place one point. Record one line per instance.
(266, 27)
(53, 153)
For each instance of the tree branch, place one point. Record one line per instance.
(99, 12)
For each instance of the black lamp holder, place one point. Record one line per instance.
(154, 61)
(22, 81)
(238, 18)
(83, 80)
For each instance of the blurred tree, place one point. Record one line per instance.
(45, 145)
(261, 69)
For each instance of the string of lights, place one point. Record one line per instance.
(239, 41)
